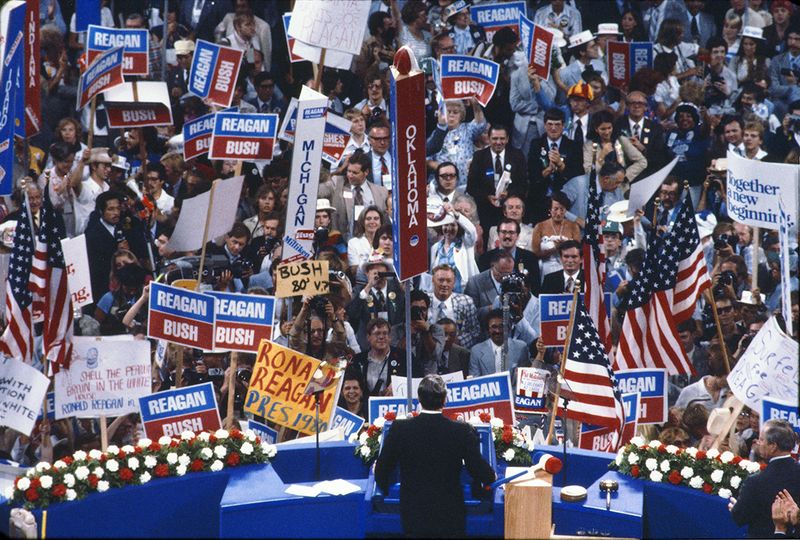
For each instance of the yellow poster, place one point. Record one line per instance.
(304, 277)
(277, 389)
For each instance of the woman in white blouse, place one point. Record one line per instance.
(359, 247)
(456, 245)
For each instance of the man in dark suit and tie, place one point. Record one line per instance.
(488, 168)
(265, 100)
(431, 451)
(379, 298)
(647, 136)
(525, 262)
(454, 356)
(553, 159)
(753, 508)
(563, 281)
(701, 25)
(202, 16)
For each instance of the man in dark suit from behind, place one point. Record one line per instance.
(430, 450)
(754, 506)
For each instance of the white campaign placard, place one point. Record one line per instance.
(78, 278)
(767, 368)
(105, 377)
(755, 189)
(399, 383)
(333, 59)
(188, 233)
(333, 24)
(642, 190)
(22, 390)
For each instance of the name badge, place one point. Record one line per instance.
(347, 194)
(387, 181)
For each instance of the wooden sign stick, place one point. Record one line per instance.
(230, 422)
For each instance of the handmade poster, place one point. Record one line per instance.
(22, 389)
(301, 278)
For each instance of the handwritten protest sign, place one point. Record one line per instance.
(399, 385)
(22, 389)
(287, 17)
(105, 377)
(493, 17)
(349, 422)
(79, 280)
(651, 385)
(276, 392)
(531, 396)
(379, 406)
(104, 73)
(242, 320)
(768, 368)
(266, 433)
(537, 42)
(304, 277)
(171, 412)
(554, 316)
(243, 136)
(135, 41)
(138, 104)
(488, 394)
(776, 409)
(604, 439)
(333, 24)
(755, 189)
(466, 76)
(181, 316)
(214, 71)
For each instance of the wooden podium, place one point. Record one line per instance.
(529, 506)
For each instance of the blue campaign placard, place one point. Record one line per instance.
(526, 27)
(350, 422)
(379, 406)
(252, 125)
(182, 303)
(201, 72)
(244, 308)
(492, 17)
(133, 40)
(478, 390)
(87, 12)
(178, 402)
(775, 409)
(652, 385)
(465, 66)
(641, 56)
(266, 433)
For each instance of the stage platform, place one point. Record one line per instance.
(247, 502)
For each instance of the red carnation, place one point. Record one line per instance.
(662, 449)
(236, 434)
(679, 451)
(32, 495)
(674, 477)
(701, 454)
(59, 490)
(137, 450)
(485, 417)
(390, 416)
(35, 483)
(197, 465)
(371, 430)
(92, 480)
(508, 436)
(258, 440)
(736, 460)
(126, 474)
(162, 469)
(103, 458)
(233, 459)
(121, 454)
(68, 460)
(708, 488)
(154, 447)
(763, 466)
(635, 471)
(174, 444)
(212, 439)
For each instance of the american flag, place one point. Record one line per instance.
(664, 294)
(594, 264)
(596, 398)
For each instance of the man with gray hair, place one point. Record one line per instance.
(430, 449)
(754, 506)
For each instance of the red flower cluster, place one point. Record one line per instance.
(371, 430)
(161, 470)
(390, 416)
(485, 417)
(508, 434)
(701, 454)
(59, 490)
(233, 459)
(662, 449)
(708, 488)
(126, 474)
(32, 495)
(196, 465)
(635, 471)
(674, 477)
(93, 481)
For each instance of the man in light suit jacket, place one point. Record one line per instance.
(346, 194)
(483, 288)
(458, 307)
(785, 88)
(486, 356)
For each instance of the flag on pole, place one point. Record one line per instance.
(596, 398)
(594, 264)
(664, 293)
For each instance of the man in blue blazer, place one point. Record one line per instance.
(486, 356)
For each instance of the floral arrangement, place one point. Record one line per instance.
(707, 470)
(510, 444)
(74, 477)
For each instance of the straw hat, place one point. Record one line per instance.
(607, 29)
(184, 46)
(618, 212)
(753, 32)
(100, 155)
(325, 204)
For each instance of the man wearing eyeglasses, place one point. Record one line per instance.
(379, 138)
(265, 100)
(525, 262)
(647, 136)
(381, 361)
(487, 357)
(669, 195)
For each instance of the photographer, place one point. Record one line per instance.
(206, 366)
(523, 309)
(784, 145)
(311, 326)
(427, 339)
(241, 268)
(382, 361)
(379, 298)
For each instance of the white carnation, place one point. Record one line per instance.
(365, 451)
(651, 464)
(184, 460)
(672, 449)
(475, 420)
(726, 457)
(711, 454)
(687, 472)
(82, 472)
(717, 475)
(144, 443)
(99, 472)
(187, 436)
(58, 464)
(220, 451)
(164, 440)
(144, 478)
(656, 476)
(42, 466)
(250, 435)
(69, 480)
(725, 493)
(637, 440)
(221, 434)
(363, 438)
(102, 486)
(633, 459)
(270, 450)
(655, 443)
(379, 422)
(664, 466)
(180, 470)
(172, 458)
(696, 482)
(744, 464)
(508, 455)
(30, 473)
(133, 463)
(23, 483)
(150, 462)
(216, 466)
(206, 453)
(736, 481)
(204, 436)
(496, 422)
(618, 459)
(351, 439)
(692, 451)
(112, 465)
(94, 453)
(128, 449)
(79, 455)
(247, 448)
(46, 481)
(113, 449)
(753, 467)
(71, 495)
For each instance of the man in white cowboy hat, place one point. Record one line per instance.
(633, 235)
(381, 297)
(584, 49)
(86, 192)
(178, 76)
(560, 16)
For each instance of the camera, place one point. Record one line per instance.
(417, 313)
(724, 240)
(794, 123)
(334, 275)
(512, 284)
(240, 266)
(727, 277)
(321, 235)
(243, 375)
(188, 268)
(789, 71)
(317, 305)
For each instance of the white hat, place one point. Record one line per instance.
(753, 32)
(717, 420)
(184, 46)
(558, 37)
(325, 204)
(618, 212)
(579, 39)
(705, 225)
(438, 217)
(749, 298)
(376, 257)
(120, 162)
(175, 143)
(606, 29)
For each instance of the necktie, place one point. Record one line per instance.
(578, 136)
(636, 131)
(441, 315)
(739, 151)
(570, 284)
(498, 165)
(384, 168)
(358, 198)
(264, 107)
(445, 199)
(695, 29)
(36, 222)
(553, 146)
(378, 300)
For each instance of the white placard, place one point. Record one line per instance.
(22, 390)
(767, 368)
(333, 24)
(643, 189)
(755, 189)
(399, 383)
(105, 377)
(333, 59)
(188, 233)
(79, 280)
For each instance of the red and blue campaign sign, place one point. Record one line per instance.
(267, 434)
(493, 17)
(287, 17)
(776, 409)
(625, 59)
(488, 394)
(197, 135)
(554, 316)
(104, 73)
(171, 412)
(12, 94)
(531, 387)
(214, 71)
(604, 439)
(379, 406)
(135, 41)
(349, 422)
(537, 42)
(651, 384)
(181, 316)
(243, 320)
(337, 135)
(466, 76)
(247, 137)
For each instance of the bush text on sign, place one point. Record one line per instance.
(136, 43)
(304, 277)
(243, 136)
(277, 386)
(242, 320)
(171, 412)
(537, 42)
(214, 71)
(604, 439)
(104, 73)
(466, 76)
(181, 316)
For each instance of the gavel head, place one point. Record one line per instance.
(609, 486)
(548, 463)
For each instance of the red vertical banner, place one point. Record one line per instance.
(618, 63)
(409, 200)
(33, 98)
(541, 51)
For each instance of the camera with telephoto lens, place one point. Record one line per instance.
(334, 275)
(724, 240)
(794, 123)
(263, 245)
(239, 266)
(321, 235)
(317, 305)
(188, 268)
(417, 313)
(725, 278)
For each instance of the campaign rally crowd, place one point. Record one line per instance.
(507, 190)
